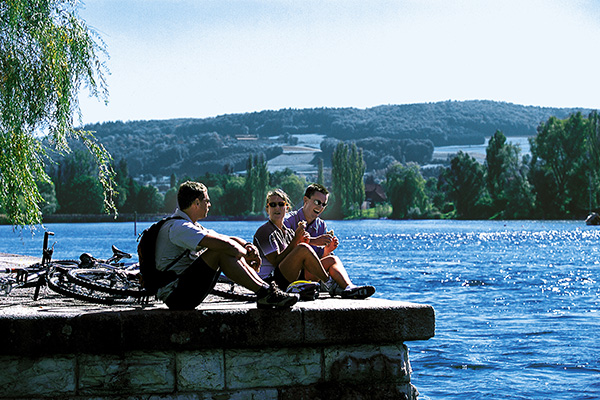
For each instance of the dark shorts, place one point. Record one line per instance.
(194, 285)
(280, 280)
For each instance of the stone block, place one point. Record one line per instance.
(367, 321)
(205, 328)
(349, 391)
(200, 370)
(367, 363)
(131, 373)
(272, 367)
(37, 377)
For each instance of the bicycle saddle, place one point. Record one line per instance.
(120, 253)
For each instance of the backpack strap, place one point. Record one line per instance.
(172, 263)
(187, 251)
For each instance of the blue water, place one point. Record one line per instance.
(516, 302)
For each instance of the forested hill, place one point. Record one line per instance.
(194, 146)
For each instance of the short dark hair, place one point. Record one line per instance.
(315, 187)
(188, 192)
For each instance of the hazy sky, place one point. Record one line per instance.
(201, 58)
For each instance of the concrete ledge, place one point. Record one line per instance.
(45, 331)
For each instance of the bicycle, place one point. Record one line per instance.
(33, 275)
(107, 282)
(111, 282)
(101, 281)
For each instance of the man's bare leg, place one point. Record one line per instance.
(303, 257)
(336, 269)
(236, 269)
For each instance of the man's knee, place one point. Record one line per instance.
(306, 249)
(213, 259)
(331, 260)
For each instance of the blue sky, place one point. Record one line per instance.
(202, 58)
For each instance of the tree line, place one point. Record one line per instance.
(558, 180)
(195, 146)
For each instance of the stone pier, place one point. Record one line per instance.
(324, 349)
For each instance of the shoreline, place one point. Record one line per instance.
(127, 217)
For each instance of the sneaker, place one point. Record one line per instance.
(325, 286)
(273, 297)
(335, 289)
(358, 292)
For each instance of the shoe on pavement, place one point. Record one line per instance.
(273, 297)
(358, 292)
(325, 286)
(335, 290)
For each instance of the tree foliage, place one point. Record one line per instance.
(347, 179)
(257, 183)
(464, 182)
(46, 54)
(510, 193)
(405, 188)
(290, 183)
(387, 134)
(564, 165)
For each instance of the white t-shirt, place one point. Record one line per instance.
(176, 237)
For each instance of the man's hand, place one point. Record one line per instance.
(252, 256)
(332, 245)
(300, 235)
(322, 241)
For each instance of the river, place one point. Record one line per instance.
(516, 302)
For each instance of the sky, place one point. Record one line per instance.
(203, 58)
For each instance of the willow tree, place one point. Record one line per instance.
(47, 53)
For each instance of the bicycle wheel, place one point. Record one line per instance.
(30, 275)
(112, 281)
(58, 281)
(232, 291)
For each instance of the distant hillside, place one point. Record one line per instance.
(196, 146)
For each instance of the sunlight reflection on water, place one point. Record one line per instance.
(516, 302)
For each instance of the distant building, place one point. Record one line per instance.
(246, 137)
(374, 194)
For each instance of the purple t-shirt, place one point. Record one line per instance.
(314, 229)
(269, 239)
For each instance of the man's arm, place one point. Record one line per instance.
(223, 244)
(252, 255)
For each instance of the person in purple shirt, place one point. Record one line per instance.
(324, 243)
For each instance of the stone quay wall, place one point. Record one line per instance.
(323, 349)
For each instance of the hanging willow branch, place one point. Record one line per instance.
(46, 54)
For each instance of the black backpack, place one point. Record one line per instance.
(152, 278)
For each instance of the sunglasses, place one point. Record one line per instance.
(273, 204)
(319, 203)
